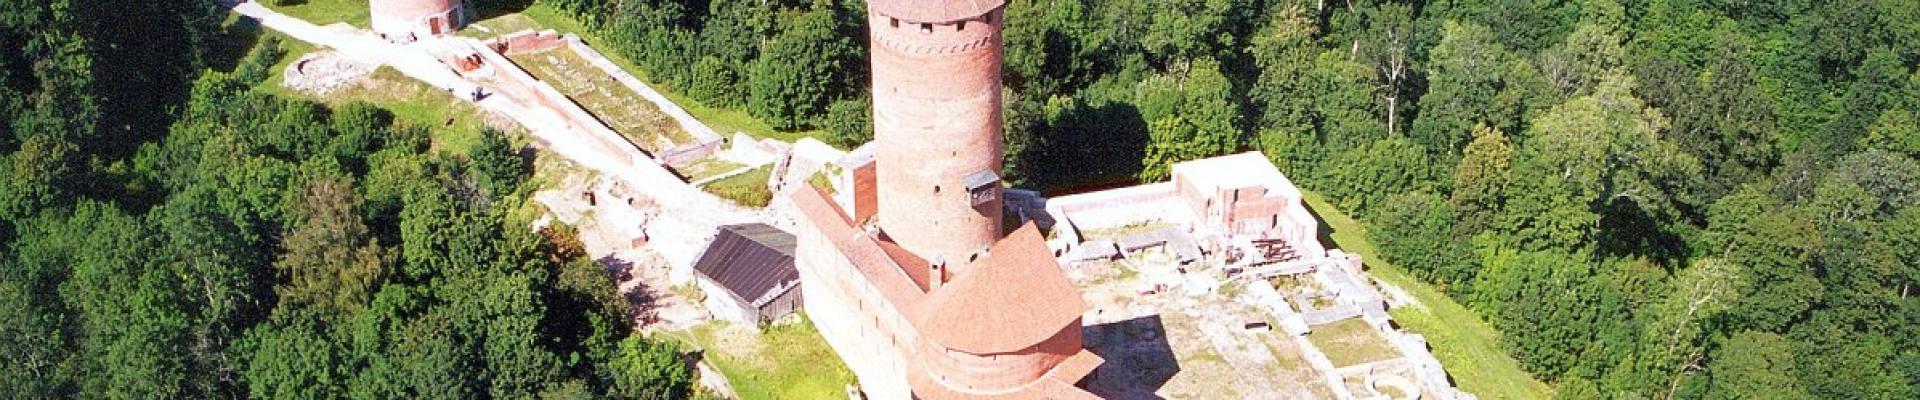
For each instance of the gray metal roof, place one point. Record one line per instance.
(750, 260)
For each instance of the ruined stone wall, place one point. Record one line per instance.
(936, 110)
(528, 88)
(528, 41)
(1252, 211)
(706, 141)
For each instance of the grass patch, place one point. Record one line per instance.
(1123, 231)
(706, 168)
(1351, 342)
(724, 120)
(820, 180)
(790, 361)
(410, 101)
(323, 12)
(1462, 341)
(614, 103)
(294, 49)
(454, 125)
(747, 189)
(501, 25)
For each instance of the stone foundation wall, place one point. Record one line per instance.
(528, 41)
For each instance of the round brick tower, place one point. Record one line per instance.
(936, 120)
(408, 20)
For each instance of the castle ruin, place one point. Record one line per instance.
(927, 296)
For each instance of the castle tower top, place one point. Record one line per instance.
(934, 11)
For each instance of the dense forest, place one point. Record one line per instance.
(167, 231)
(1649, 198)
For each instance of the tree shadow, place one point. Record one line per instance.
(622, 270)
(1089, 145)
(233, 44)
(1629, 231)
(1139, 361)
(1325, 231)
(486, 10)
(639, 301)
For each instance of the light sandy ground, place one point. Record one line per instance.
(609, 229)
(1172, 345)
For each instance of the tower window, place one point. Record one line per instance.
(926, 28)
(962, 26)
(895, 22)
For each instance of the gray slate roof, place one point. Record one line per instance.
(750, 260)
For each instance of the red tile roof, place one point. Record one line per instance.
(916, 268)
(865, 253)
(934, 11)
(1013, 299)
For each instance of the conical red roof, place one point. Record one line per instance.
(1013, 299)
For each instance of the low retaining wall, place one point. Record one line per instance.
(552, 99)
(1107, 208)
(680, 157)
(700, 132)
(527, 41)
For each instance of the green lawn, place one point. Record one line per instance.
(323, 12)
(789, 361)
(411, 101)
(726, 121)
(1351, 342)
(746, 189)
(499, 25)
(1468, 347)
(618, 106)
(706, 168)
(415, 103)
(1123, 231)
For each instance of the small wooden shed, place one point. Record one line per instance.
(748, 274)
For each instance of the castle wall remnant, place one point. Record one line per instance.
(404, 21)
